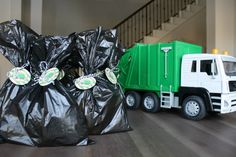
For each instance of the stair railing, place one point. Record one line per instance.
(147, 18)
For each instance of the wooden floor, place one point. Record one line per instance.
(164, 134)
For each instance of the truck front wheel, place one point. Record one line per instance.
(132, 100)
(193, 108)
(151, 102)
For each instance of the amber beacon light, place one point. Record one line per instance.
(226, 52)
(214, 51)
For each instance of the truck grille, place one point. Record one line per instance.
(233, 102)
(216, 101)
(232, 86)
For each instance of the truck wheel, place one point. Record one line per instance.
(151, 102)
(193, 108)
(132, 100)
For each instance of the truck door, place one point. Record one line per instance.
(209, 76)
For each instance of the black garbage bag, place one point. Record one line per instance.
(103, 104)
(33, 114)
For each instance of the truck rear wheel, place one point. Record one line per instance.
(132, 100)
(151, 102)
(193, 108)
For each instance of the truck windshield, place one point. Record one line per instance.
(229, 66)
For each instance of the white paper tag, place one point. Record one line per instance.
(84, 83)
(48, 76)
(61, 75)
(19, 76)
(110, 76)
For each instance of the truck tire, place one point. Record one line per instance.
(193, 108)
(151, 103)
(132, 100)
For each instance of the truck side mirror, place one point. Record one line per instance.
(213, 68)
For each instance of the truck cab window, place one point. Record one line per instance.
(206, 67)
(194, 66)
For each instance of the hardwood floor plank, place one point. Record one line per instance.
(115, 145)
(164, 134)
(12, 150)
(154, 138)
(193, 135)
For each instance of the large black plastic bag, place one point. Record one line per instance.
(15, 41)
(103, 105)
(32, 114)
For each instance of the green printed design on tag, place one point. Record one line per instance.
(84, 83)
(21, 76)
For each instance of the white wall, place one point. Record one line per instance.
(67, 16)
(26, 12)
(221, 25)
(36, 15)
(211, 20)
(235, 28)
(5, 8)
(10, 9)
(225, 25)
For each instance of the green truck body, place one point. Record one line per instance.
(154, 67)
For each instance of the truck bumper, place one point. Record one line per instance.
(228, 103)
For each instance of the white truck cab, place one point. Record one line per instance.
(215, 76)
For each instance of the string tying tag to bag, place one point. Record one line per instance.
(89, 81)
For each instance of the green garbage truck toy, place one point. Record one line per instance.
(178, 75)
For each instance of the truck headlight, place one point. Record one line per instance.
(226, 104)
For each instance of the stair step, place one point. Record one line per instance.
(168, 26)
(195, 8)
(171, 20)
(200, 2)
(196, 2)
(150, 39)
(178, 20)
(159, 33)
(186, 14)
(188, 8)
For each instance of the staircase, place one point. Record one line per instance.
(156, 20)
